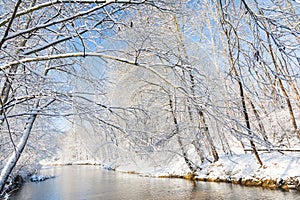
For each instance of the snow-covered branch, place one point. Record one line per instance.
(13, 159)
(52, 3)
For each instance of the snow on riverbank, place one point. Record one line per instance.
(40, 178)
(279, 170)
(244, 167)
(79, 162)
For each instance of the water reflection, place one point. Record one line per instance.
(92, 182)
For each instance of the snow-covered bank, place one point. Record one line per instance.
(79, 162)
(279, 170)
(40, 178)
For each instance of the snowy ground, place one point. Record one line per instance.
(278, 169)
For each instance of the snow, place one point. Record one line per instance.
(275, 166)
(237, 166)
(39, 178)
(65, 162)
(279, 168)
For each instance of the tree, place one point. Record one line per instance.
(43, 44)
(192, 76)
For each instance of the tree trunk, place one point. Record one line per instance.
(260, 124)
(246, 116)
(13, 159)
(184, 154)
(202, 122)
(208, 136)
(286, 96)
(199, 150)
(232, 62)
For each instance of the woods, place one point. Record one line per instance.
(149, 80)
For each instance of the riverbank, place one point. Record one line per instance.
(279, 171)
(92, 182)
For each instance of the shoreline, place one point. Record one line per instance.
(290, 183)
(279, 171)
(284, 184)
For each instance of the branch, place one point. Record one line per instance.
(56, 22)
(275, 149)
(11, 19)
(51, 3)
(92, 54)
(78, 34)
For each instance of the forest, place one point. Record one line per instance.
(147, 83)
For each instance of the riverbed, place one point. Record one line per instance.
(93, 182)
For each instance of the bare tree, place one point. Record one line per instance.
(43, 45)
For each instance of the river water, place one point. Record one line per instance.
(92, 182)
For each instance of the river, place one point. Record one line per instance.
(92, 182)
